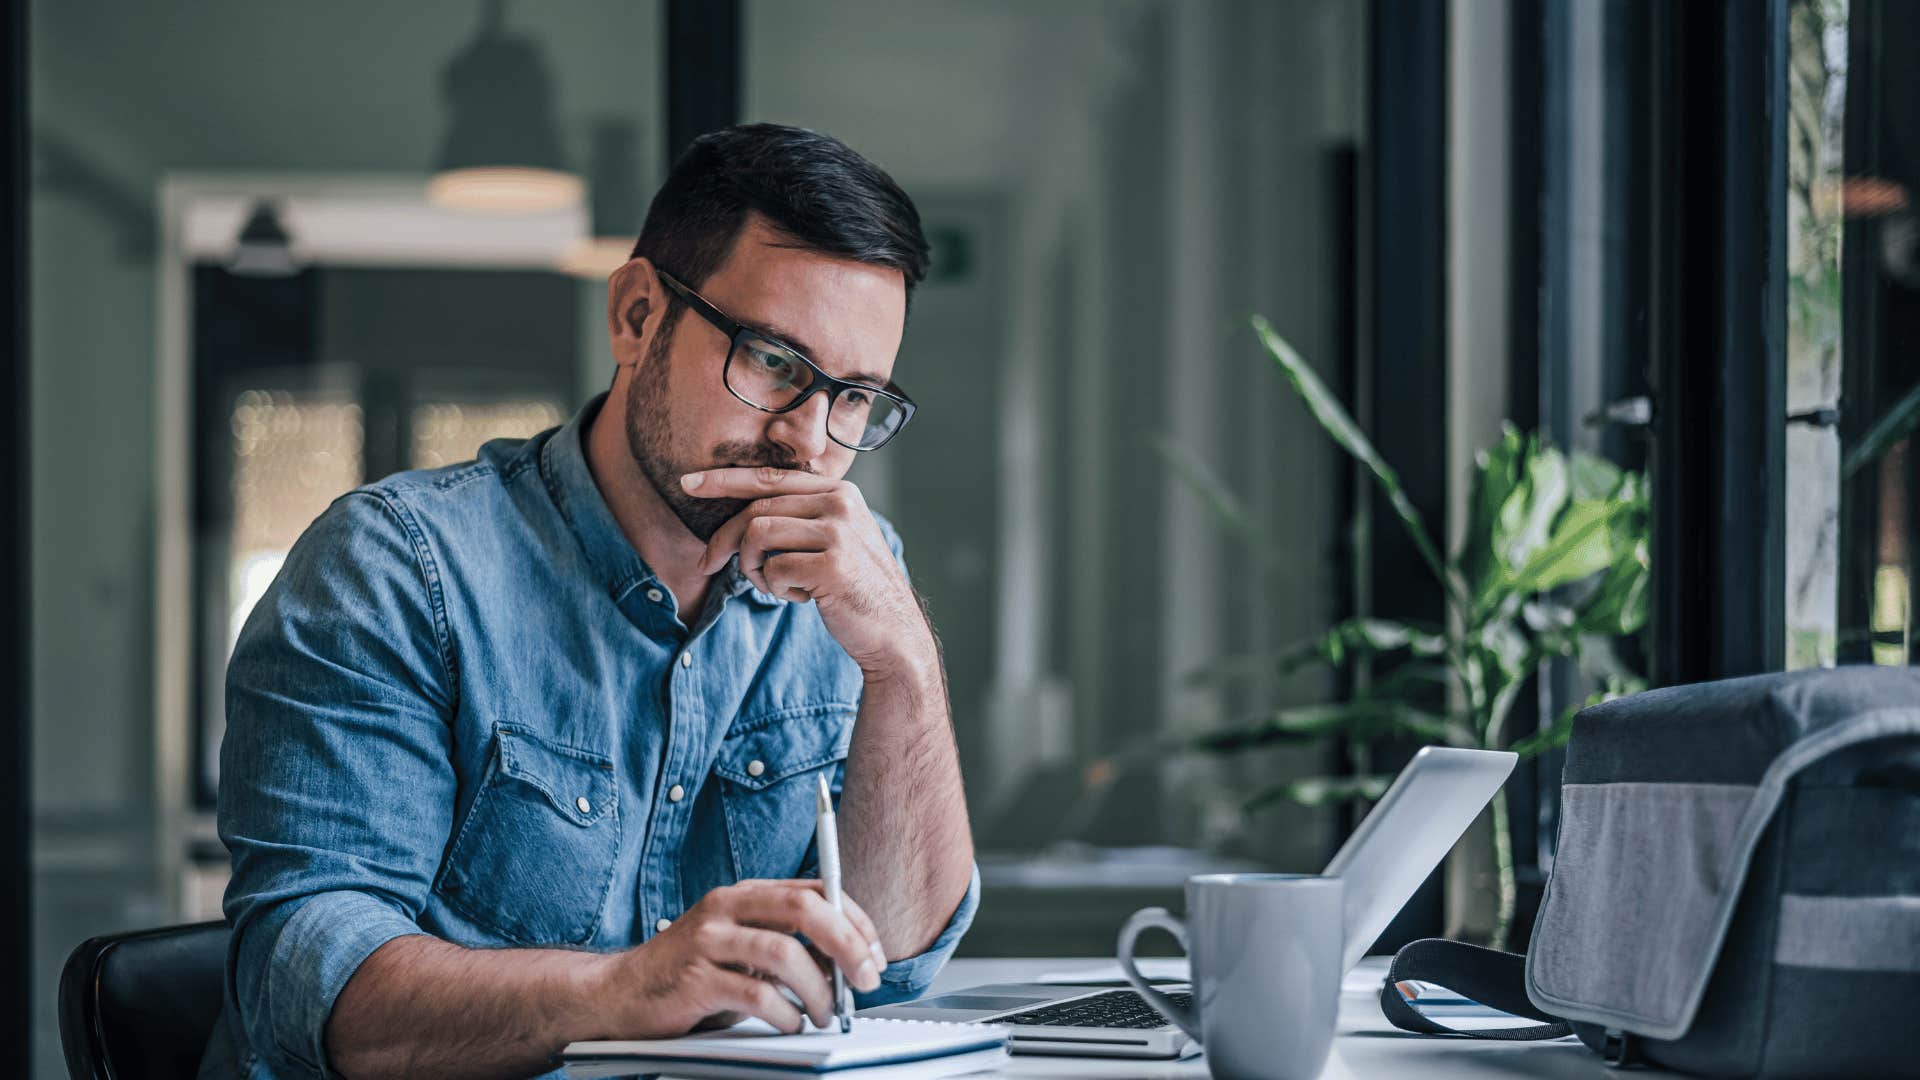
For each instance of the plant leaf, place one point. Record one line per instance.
(1363, 718)
(1554, 734)
(1619, 605)
(1579, 546)
(1360, 636)
(1594, 478)
(1526, 519)
(1339, 426)
(1365, 634)
(1411, 677)
(1508, 647)
(1496, 473)
(1322, 790)
(1226, 505)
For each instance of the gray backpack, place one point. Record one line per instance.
(1736, 886)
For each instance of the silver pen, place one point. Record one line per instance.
(827, 839)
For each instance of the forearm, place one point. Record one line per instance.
(907, 846)
(420, 1006)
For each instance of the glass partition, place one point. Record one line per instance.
(1111, 190)
(258, 279)
(1853, 264)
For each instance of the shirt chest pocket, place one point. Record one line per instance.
(534, 858)
(768, 767)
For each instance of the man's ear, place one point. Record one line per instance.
(634, 301)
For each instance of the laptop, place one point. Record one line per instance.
(1409, 831)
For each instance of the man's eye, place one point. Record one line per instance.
(857, 397)
(772, 362)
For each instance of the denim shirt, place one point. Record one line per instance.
(467, 708)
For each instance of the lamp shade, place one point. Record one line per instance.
(263, 248)
(502, 149)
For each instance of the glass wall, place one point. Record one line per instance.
(245, 302)
(1854, 332)
(1111, 191)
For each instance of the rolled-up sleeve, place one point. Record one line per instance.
(336, 781)
(908, 978)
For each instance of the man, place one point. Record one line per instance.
(523, 751)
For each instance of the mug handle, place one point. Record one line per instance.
(1188, 1020)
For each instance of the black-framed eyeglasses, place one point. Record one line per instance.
(775, 377)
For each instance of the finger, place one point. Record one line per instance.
(753, 483)
(796, 575)
(782, 959)
(726, 539)
(855, 913)
(867, 929)
(723, 1019)
(861, 922)
(800, 907)
(770, 536)
(743, 891)
(736, 992)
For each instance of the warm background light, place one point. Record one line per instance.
(595, 258)
(505, 189)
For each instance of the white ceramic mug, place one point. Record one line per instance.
(1265, 950)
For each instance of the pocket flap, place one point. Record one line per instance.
(767, 749)
(578, 783)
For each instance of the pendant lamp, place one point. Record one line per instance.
(502, 150)
(263, 248)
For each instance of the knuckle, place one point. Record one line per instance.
(769, 474)
(768, 999)
(849, 938)
(767, 953)
(784, 954)
(799, 904)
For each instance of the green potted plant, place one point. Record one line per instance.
(1553, 564)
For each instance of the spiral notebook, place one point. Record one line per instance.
(920, 1049)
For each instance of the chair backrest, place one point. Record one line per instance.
(142, 1005)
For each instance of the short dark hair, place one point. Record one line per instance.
(810, 186)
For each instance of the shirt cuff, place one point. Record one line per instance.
(317, 951)
(906, 979)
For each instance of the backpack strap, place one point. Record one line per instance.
(1495, 979)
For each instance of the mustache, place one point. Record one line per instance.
(754, 455)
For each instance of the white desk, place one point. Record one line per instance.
(1366, 1045)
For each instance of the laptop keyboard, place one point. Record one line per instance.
(1113, 1009)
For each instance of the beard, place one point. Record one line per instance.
(650, 439)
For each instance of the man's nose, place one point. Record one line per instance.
(803, 431)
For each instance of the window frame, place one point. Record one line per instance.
(1695, 115)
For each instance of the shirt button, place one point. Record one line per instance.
(686, 659)
(661, 924)
(755, 768)
(585, 806)
(676, 793)
(655, 595)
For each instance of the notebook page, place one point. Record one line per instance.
(871, 1041)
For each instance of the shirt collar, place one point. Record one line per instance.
(563, 466)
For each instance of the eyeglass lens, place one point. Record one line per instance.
(772, 377)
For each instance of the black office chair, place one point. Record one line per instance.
(142, 1005)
